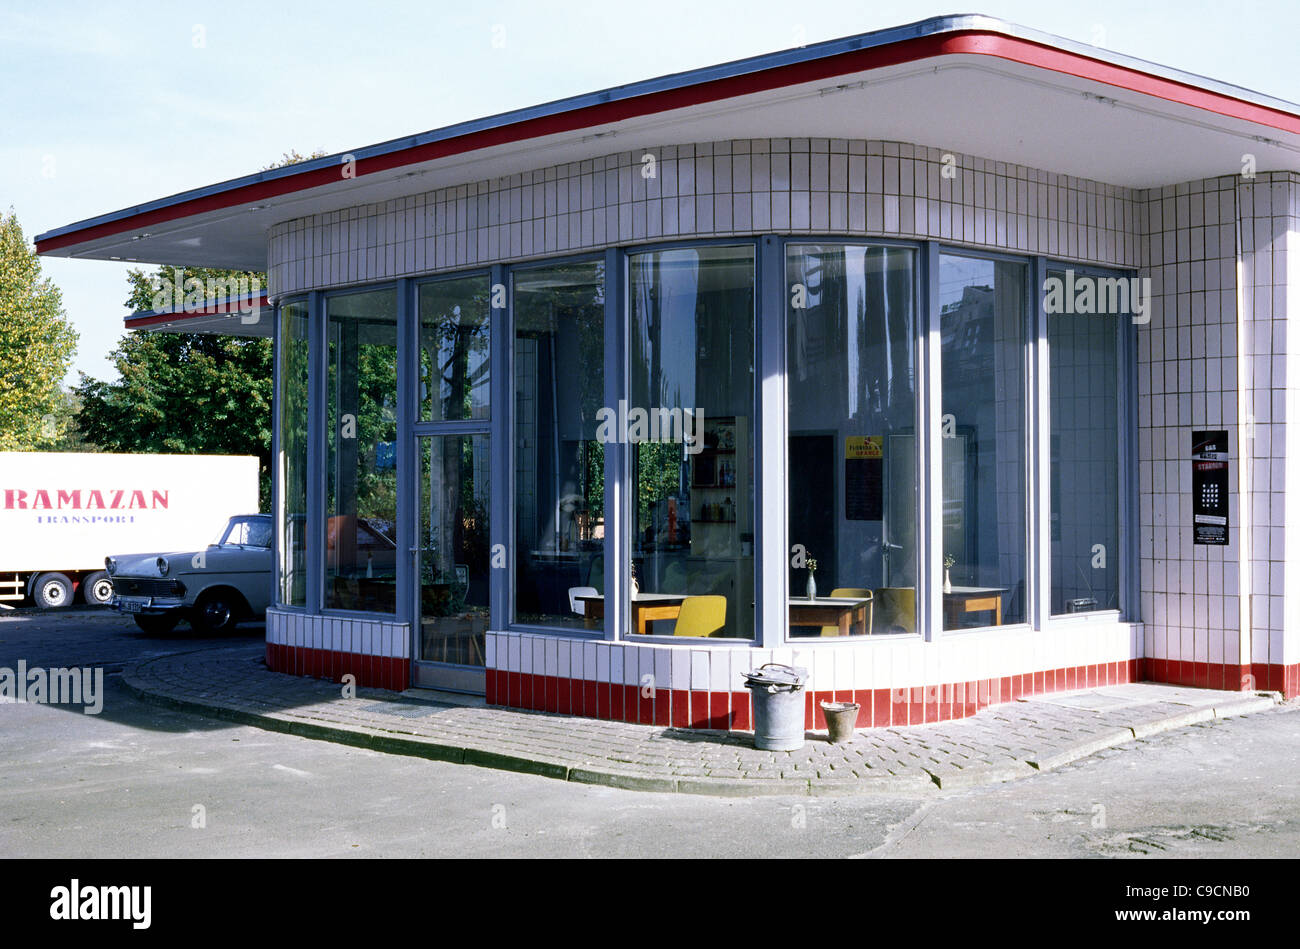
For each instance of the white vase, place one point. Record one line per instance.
(812, 585)
(947, 581)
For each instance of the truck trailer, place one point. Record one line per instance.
(62, 513)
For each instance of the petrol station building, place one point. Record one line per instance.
(981, 331)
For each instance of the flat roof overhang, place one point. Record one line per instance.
(969, 84)
(246, 316)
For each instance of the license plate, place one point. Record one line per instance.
(132, 606)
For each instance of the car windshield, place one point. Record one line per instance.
(247, 532)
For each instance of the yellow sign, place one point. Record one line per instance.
(864, 446)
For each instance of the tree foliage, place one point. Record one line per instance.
(36, 347)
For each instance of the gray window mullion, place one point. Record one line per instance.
(316, 378)
(1039, 470)
(501, 415)
(772, 547)
(929, 573)
(618, 487)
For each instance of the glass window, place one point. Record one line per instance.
(454, 348)
(454, 548)
(852, 487)
(247, 532)
(291, 588)
(1083, 357)
(559, 381)
(982, 313)
(690, 420)
(361, 452)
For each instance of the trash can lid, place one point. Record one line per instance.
(777, 674)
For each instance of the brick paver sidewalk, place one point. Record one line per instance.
(998, 744)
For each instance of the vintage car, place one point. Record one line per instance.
(213, 588)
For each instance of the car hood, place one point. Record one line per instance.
(182, 562)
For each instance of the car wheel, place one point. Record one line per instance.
(216, 612)
(97, 589)
(52, 590)
(158, 625)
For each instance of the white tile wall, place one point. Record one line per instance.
(710, 188)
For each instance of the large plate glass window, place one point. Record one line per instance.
(985, 542)
(291, 586)
(1083, 357)
(852, 486)
(454, 349)
(690, 425)
(361, 455)
(559, 382)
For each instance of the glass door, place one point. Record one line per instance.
(452, 561)
(450, 545)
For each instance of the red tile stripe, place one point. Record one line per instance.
(372, 672)
(879, 708)
(730, 711)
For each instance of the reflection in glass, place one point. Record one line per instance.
(291, 589)
(361, 456)
(453, 545)
(982, 311)
(559, 382)
(691, 370)
(454, 349)
(852, 438)
(1083, 354)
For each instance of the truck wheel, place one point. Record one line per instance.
(216, 612)
(52, 590)
(97, 589)
(158, 625)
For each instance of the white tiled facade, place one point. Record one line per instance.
(1214, 355)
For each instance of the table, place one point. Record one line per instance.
(646, 608)
(972, 600)
(842, 611)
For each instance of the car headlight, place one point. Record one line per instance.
(162, 566)
(110, 565)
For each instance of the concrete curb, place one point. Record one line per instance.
(588, 773)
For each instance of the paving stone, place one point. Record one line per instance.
(995, 745)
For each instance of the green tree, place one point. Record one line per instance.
(36, 346)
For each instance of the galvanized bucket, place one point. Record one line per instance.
(776, 693)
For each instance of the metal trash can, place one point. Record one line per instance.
(776, 693)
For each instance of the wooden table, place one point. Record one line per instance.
(843, 611)
(646, 608)
(972, 600)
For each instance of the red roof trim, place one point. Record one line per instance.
(968, 43)
(232, 308)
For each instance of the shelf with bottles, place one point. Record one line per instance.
(717, 512)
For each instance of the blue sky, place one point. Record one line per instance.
(106, 105)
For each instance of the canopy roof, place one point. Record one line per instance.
(970, 84)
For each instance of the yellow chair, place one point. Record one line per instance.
(897, 609)
(857, 593)
(701, 616)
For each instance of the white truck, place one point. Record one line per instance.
(61, 514)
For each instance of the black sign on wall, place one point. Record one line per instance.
(1210, 488)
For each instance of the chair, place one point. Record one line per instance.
(575, 592)
(897, 609)
(857, 593)
(701, 616)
